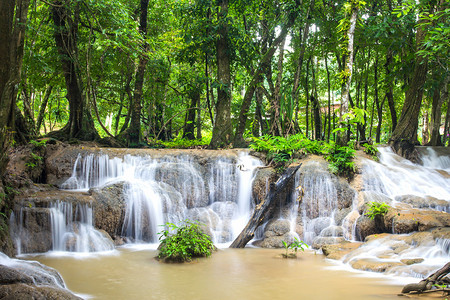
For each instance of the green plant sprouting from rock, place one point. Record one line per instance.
(184, 242)
(293, 247)
(376, 209)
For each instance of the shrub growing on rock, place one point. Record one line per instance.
(184, 242)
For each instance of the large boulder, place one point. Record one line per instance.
(30, 280)
(109, 208)
(276, 231)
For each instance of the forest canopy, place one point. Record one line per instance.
(216, 73)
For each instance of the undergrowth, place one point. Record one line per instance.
(283, 150)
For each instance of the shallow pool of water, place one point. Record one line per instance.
(249, 273)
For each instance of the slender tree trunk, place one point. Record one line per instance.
(316, 107)
(307, 97)
(276, 128)
(377, 102)
(134, 131)
(342, 137)
(439, 96)
(44, 102)
(390, 89)
(189, 128)
(447, 119)
(222, 130)
(329, 98)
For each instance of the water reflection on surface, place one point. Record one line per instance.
(250, 273)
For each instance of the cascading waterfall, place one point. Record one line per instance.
(395, 176)
(399, 182)
(319, 202)
(216, 191)
(73, 231)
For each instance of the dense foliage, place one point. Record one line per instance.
(283, 150)
(184, 242)
(226, 73)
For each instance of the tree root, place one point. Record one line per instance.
(438, 278)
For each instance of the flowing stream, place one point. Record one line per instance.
(250, 273)
(217, 192)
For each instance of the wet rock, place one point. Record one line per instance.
(425, 202)
(332, 231)
(109, 208)
(338, 251)
(321, 241)
(263, 178)
(366, 227)
(345, 193)
(341, 214)
(411, 261)
(30, 280)
(409, 220)
(373, 265)
(276, 241)
(278, 227)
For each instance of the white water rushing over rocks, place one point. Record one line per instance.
(75, 236)
(214, 191)
(403, 184)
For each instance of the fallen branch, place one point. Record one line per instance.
(437, 278)
(263, 210)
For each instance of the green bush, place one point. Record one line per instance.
(187, 242)
(376, 209)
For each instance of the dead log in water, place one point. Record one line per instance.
(437, 278)
(264, 209)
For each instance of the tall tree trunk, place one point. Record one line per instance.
(13, 18)
(134, 131)
(405, 134)
(348, 72)
(316, 107)
(222, 130)
(307, 97)
(390, 89)
(377, 101)
(276, 128)
(329, 99)
(80, 124)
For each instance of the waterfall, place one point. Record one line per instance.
(395, 176)
(319, 203)
(215, 191)
(73, 230)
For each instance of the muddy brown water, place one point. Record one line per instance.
(249, 273)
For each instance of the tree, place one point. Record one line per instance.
(348, 25)
(404, 136)
(66, 18)
(134, 131)
(13, 17)
(222, 130)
